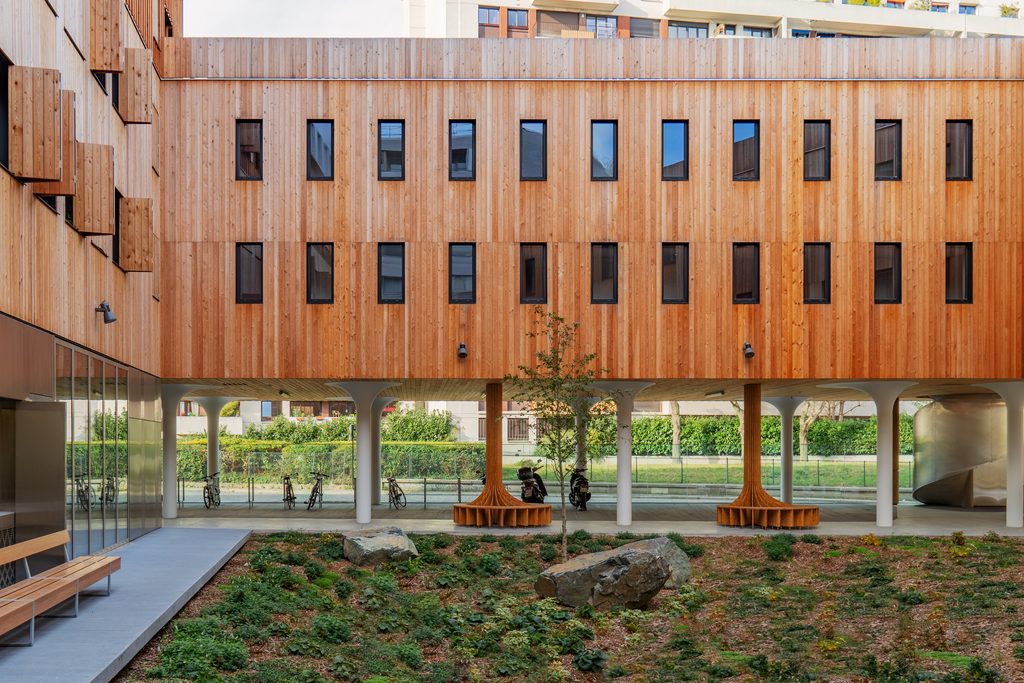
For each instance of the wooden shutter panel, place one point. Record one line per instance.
(134, 90)
(64, 187)
(34, 128)
(105, 52)
(94, 189)
(137, 239)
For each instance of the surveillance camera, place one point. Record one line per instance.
(463, 351)
(748, 350)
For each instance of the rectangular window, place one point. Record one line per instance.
(685, 29)
(757, 31)
(554, 24)
(320, 150)
(604, 273)
(746, 273)
(888, 150)
(518, 428)
(675, 153)
(487, 22)
(5, 112)
(115, 249)
(817, 150)
(746, 143)
(391, 273)
(248, 150)
(959, 150)
(115, 90)
(533, 150)
(248, 273)
(533, 273)
(461, 150)
(644, 28)
(604, 161)
(728, 29)
(675, 273)
(959, 273)
(391, 150)
(935, 7)
(518, 18)
(888, 273)
(461, 273)
(69, 211)
(320, 273)
(817, 273)
(602, 27)
(968, 9)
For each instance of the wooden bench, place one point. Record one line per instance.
(22, 602)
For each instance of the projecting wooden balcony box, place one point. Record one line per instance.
(65, 187)
(34, 129)
(137, 239)
(94, 189)
(134, 94)
(106, 53)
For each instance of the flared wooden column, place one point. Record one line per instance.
(754, 506)
(495, 506)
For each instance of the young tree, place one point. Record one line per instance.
(812, 412)
(557, 386)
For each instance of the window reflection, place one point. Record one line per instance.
(462, 265)
(391, 150)
(320, 150)
(746, 163)
(674, 162)
(461, 150)
(604, 286)
(603, 155)
(391, 273)
(533, 285)
(533, 141)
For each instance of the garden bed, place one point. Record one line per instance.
(287, 608)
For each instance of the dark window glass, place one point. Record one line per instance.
(644, 28)
(461, 150)
(817, 273)
(69, 211)
(320, 150)
(49, 200)
(757, 31)
(746, 273)
(959, 273)
(518, 428)
(248, 150)
(391, 273)
(968, 9)
(391, 150)
(168, 25)
(533, 273)
(729, 29)
(684, 29)
(604, 277)
(101, 78)
(115, 252)
(320, 273)
(675, 273)
(675, 153)
(888, 273)
(602, 27)
(533, 150)
(959, 152)
(462, 273)
(746, 150)
(249, 273)
(888, 150)
(115, 90)
(5, 112)
(817, 150)
(604, 163)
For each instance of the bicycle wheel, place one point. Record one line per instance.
(207, 497)
(289, 497)
(313, 495)
(400, 501)
(83, 500)
(216, 496)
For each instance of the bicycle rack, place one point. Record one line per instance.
(181, 492)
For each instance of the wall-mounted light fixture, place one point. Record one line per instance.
(108, 315)
(748, 350)
(715, 394)
(463, 351)
(284, 394)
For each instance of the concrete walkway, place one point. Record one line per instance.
(159, 573)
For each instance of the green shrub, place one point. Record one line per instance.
(200, 647)
(548, 552)
(811, 538)
(331, 628)
(313, 569)
(330, 550)
(410, 654)
(691, 549)
(343, 589)
(418, 425)
(590, 660)
(489, 563)
(779, 547)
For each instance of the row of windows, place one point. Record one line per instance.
(604, 150)
(604, 275)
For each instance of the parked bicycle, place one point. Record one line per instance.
(396, 496)
(109, 494)
(289, 492)
(316, 496)
(83, 489)
(211, 491)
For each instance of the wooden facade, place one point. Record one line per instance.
(34, 132)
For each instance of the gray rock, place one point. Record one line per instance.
(678, 562)
(372, 546)
(628, 576)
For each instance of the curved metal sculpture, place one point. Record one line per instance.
(960, 451)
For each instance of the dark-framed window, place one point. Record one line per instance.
(888, 149)
(746, 150)
(115, 90)
(391, 149)
(5, 111)
(248, 273)
(817, 150)
(462, 150)
(685, 29)
(746, 273)
(391, 273)
(888, 273)
(959, 273)
(604, 273)
(601, 26)
(101, 79)
(604, 150)
(675, 150)
(757, 31)
(533, 150)
(533, 273)
(817, 273)
(461, 273)
(959, 150)
(69, 211)
(675, 273)
(248, 149)
(319, 272)
(320, 149)
(115, 248)
(518, 20)
(644, 28)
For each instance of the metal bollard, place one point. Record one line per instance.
(458, 483)
(424, 493)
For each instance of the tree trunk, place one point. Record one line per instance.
(805, 425)
(674, 411)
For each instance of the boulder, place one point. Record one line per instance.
(628, 576)
(372, 546)
(678, 562)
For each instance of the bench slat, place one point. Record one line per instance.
(13, 614)
(86, 573)
(19, 551)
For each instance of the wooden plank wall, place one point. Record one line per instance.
(137, 235)
(94, 197)
(68, 152)
(35, 123)
(135, 92)
(106, 46)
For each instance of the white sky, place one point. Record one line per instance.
(287, 18)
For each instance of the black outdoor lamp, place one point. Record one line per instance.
(748, 350)
(108, 315)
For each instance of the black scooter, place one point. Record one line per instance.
(579, 489)
(532, 489)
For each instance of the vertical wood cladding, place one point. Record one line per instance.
(34, 128)
(66, 185)
(136, 248)
(135, 89)
(105, 46)
(94, 193)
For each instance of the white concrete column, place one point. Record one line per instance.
(786, 405)
(170, 396)
(1013, 394)
(623, 393)
(363, 395)
(885, 395)
(379, 404)
(213, 405)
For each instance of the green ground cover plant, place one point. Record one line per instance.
(786, 608)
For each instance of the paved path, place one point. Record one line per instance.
(159, 573)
